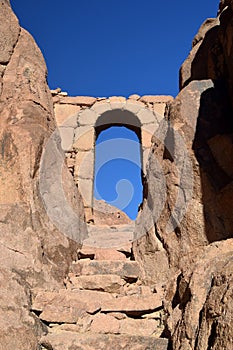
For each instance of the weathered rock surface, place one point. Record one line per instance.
(68, 340)
(109, 215)
(95, 304)
(202, 308)
(33, 251)
(190, 200)
(126, 270)
(104, 283)
(180, 285)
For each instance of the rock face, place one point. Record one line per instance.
(59, 295)
(191, 162)
(33, 251)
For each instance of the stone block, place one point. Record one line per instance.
(156, 99)
(117, 102)
(67, 138)
(138, 327)
(102, 253)
(66, 115)
(134, 97)
(66, 306)
(103, 283)
(146, 138)
(87, 117)
(78, 100)
(134, 106)
(86, 189)
(126, 270)
(159, 110)
(84, 165)
(101, 106)
(84, 139)
(66, 340)
(105, 324)
(88, 214)
(145, 157)
(146, 116)
(133, 304)
(147, 131)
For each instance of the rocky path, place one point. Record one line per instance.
(103, 305)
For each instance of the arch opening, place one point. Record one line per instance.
(118, 165)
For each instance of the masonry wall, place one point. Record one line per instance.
(80, 119)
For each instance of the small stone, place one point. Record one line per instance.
(78, 100)
(63, 93)
(156, 99)
(55, 91)
(105, 324)
(134, 97)
(104, 283)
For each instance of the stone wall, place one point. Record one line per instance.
(80, 120)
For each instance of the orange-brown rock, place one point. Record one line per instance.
(78, 100)
(105, 214)
(68, 340)
(105, 283)
(127, 270)
(202, 308)
(156, 99)
(33, 251)
(189, 199)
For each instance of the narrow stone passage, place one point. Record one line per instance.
(103, 305)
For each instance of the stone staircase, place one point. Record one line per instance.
(104, 236)
(103, 305)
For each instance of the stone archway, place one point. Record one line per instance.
(81, 119)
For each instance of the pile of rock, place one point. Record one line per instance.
(104, 305)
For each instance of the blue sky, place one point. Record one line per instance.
(107, 48)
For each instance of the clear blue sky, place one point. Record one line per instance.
(106, 48)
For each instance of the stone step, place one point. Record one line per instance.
(112, 323)
(65, 306)
(93, 253)
(104, 283)
(133, 305)
(109, 237)
(68, 306)
(124, 269)
(70, 340)
(107, 283)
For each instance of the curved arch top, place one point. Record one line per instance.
(80, 129)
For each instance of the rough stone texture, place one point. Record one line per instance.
(105, 324)
(116, 237)
(126, 270)
(156, 99)
(133, 304)
(105, 214)
(189, 199)
(94, 116)
(33, 251)
(10, 31)
(78, 100)
(67, 306)
(104, 283)
(66, 115)
(103, 253)
(182, 275)
(69, 340)
(202, 308)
